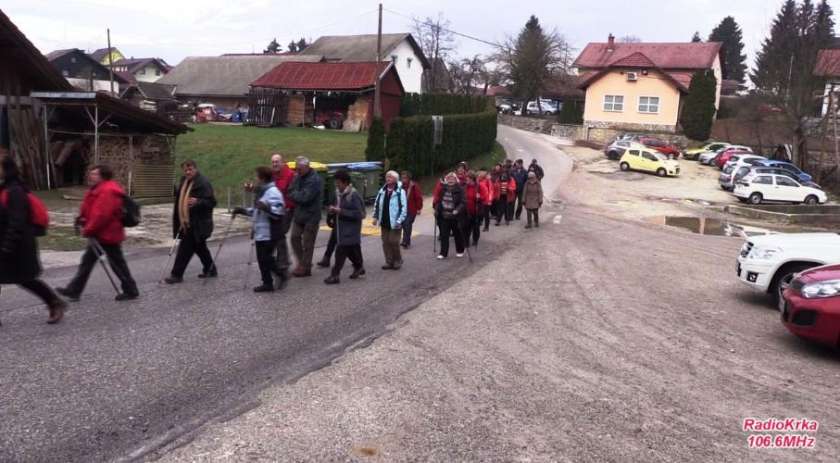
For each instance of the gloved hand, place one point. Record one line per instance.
(240, 211)
(261, 205)
(398, 226)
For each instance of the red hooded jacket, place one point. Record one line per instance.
(414, 196)
(511, 190)
(474, 196)
(102, 213)
(283, 180)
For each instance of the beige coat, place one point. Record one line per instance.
(532, 194)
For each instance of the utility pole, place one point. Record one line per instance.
(377, 110)
(111, 61)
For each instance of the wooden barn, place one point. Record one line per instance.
(55, 132)
(337, 95)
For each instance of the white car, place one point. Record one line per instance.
(707, 157)
(777, 188)
(547, 106)
(736, 168)
(768, 263)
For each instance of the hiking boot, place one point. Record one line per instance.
(325, 263)
(172, 280)
(73, 297)
(357, 273)
(264, 288)
(56, 311)
(127, 296)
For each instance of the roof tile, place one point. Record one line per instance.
(322, 76)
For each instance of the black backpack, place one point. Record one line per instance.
(130, 212)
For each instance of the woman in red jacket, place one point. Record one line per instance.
(100, 219)
(414, 197)
(504, 196)
(476, 195)
(487, 188)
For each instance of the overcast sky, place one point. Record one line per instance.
(173, 29)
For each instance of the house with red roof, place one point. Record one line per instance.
(828, 67)
(336, 95)
(641, 86)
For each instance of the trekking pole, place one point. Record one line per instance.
(250, 262)
(221, 243)
(175, 243)
(100, 256)
(466, 246)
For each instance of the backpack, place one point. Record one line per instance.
(130, 212)
(39, 218)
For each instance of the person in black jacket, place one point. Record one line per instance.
(449, 212)
(19, 262)
(307, 192)
(349, 211)
(192, 220)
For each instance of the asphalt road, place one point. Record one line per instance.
(118, 380)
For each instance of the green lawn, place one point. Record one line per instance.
(227, 155)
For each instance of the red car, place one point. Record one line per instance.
(811, 305)
(723, 157)
(660, 145)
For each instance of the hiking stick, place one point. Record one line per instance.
(175, 243)
(221, 243)
(248, 269)
(100, 256)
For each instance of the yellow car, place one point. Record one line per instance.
(708, 147)
(647, 160)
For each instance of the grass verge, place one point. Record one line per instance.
(487, 160)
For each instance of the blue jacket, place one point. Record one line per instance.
(262, 220)
(397, 209)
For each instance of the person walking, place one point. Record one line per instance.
(533, 194)
(520, 175)
(333, 240)
(283, 177)
(414, 197)
(19, 261)
(537, 169)
(389, 212)
(349, 212)
(192, 220)
(487, 188)
(448, 213)
(307, 191)
(100, 220)
(267, 228)
(505, 194)
(474, 198)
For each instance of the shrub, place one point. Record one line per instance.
(375, 150)
(571, 113)
(440, 104)
(699, 111)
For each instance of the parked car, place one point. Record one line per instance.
(547, 107)
(724, 156)
(648, 160)
(742, 159)
(659, 145)
(736, 168)
(777, 188)
(759, 169)
(616, 149)
(798, 173)
(810, 305)
(706, 157)
(712, 147)
(768, 263)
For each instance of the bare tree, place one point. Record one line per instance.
(470, 76)
(629, 38)
(436, 41)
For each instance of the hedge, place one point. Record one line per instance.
(409, 143)
(430, 104)
(375, 150)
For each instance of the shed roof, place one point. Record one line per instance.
(828, 63)
(688, 55)
(361, 48)
(26, 60)
(223, 75)
(152, 90)
(324, 76)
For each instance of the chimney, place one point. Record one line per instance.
(610, 42)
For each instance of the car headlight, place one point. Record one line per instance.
(764, 253)
(829, 288)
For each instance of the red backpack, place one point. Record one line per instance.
(38, 215)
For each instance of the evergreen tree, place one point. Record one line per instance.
(696, 37)
(733, 60)
(772, 62)
(375, 150)
(301, 44)
(699, 111)
(293, 47)
(273, 47)
(532, 59)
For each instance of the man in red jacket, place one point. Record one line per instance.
(283, 176)
(100, 219)
(414, 197)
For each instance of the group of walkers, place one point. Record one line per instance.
(286, 201)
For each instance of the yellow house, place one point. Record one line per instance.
(101, 55)
(641, 86)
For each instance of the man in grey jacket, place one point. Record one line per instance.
(307, 191)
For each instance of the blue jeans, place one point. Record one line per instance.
(409, 221)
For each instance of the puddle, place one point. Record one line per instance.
(711, 226)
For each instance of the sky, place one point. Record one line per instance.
(174, 29)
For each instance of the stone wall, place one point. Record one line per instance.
(596, 132)
(570, 131)
(531, 124)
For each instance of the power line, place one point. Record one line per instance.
(460, 34)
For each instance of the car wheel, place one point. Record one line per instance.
(624, 166)
(661, 172)
(812, 200)
(756, 198)
(783, 278)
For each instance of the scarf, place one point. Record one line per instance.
(183, 205)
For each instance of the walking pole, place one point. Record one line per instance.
(248, 269)
(175, 243)
(221, 243)
(461, 232)
(100, 256)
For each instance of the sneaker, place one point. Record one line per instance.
(264, 288)
(459, 255)
(441, 257)
(332, 280)
(67, 294)
(171, 280)
(126, 296)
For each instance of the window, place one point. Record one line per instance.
(157, 72)
(784, 181)
(408, 62)
(649, 104)
(634, 152)
(613, 103)
(394, 59)
(764, 180)
(143, 72)
(649, 156)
